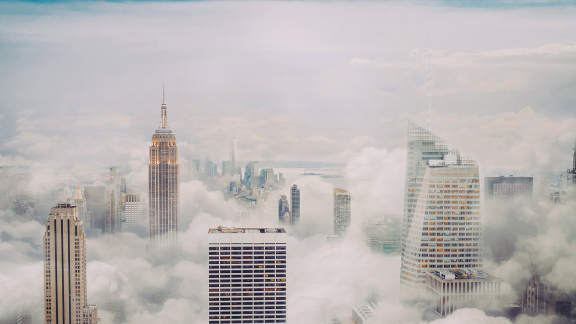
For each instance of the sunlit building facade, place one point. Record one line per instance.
(65, 269)
(247, 275)
(163, 182)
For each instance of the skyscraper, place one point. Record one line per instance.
(295, 202)
(342, 211)
(96, 206)
(65, 267)
(80, 202)
(233, 153)
(283, 210)
(163, 182)
(247, 275)
(133, 212)
(571, 174)
(113, 202)
(442, 210)
(508, 187)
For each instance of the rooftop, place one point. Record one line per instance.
(234, 230)
(461, 274)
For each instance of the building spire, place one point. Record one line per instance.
(164, 122)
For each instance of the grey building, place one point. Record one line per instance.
(342, 211)
(508, 187)
(295, 202)
(96, 207)
(283, 210)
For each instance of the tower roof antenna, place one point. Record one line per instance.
(164, 120)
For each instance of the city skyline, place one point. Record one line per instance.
(283, 112)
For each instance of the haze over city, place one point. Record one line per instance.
(322, 129)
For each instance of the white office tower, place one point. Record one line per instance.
(342, 211)
(441, 225)
(133, 212)
(247, 275)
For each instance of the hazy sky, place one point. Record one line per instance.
(336, 81)
(292, 80)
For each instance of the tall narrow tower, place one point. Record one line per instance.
(163, 181)
(342, 211)
(295, 202)
(64, 267)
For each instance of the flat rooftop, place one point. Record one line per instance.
(252, 230)
(461, 274)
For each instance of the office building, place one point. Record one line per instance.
(163, 182)
(508, 187)
(114, 190)
(133, 212)
(233, 156)
(295, 203)
(342, 211)
(267, 178)
(442, 214)
(64, 267)
(455, 289)
(283, 210)
(96, 207)
(247, 275)
(79, 200)
(383, 234)
(361, 314)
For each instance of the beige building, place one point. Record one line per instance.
(163, 181)
(65, 268)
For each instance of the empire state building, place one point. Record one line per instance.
(163, 182)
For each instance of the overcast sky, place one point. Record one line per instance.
(335, 81)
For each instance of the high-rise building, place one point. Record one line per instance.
(250, 176)
(96, 206)
(65, 267)
(442, 210)
(295, 203)
(383, 234)
(113, 201)
(163, 182)
(80, 202)
(571, 174)
(133, 212)
(508, 187)
(267, 177)
(283, 210)
(247, 275)
(233, 156)
(342, 211)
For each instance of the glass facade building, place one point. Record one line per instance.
(441, 226)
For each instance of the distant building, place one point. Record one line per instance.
(571, 173)
(210, 169)
(96, 207)
(295, 202)
(65, 268)
(247, 275)
(80, 202)
(250, 177)
(541, 298)
(163, 182)
(233, 156)
(342, 211)
(133, 212)
(90, 315)
(383, 235)
(267, 177)
(114, 191)
(441, 226)
(508, 187)
(227, 169)
(361, 314)
(455, 289)
(283, 210)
